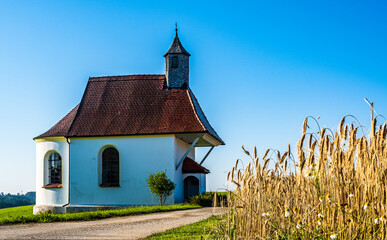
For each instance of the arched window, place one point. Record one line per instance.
(110, 168)
(54, 169)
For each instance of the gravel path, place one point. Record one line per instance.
(132, 227)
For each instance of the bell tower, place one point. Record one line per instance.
(177, 65)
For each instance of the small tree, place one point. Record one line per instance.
(160, 185)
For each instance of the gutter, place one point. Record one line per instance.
(68, 202)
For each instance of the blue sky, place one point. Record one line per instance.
(257, 68)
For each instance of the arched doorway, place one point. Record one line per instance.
(191, 187)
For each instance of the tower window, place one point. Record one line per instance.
(174, 62)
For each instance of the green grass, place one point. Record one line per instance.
(24, 214)
(16, 211)
(205, 229)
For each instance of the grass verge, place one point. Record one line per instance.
(23, 215)
(206, 229)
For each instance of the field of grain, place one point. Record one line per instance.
(337, 189)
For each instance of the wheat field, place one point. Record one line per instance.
(335, 190)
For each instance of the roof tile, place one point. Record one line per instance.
(62, 127)
(132, 105)
(190, 166)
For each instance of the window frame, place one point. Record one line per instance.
(47, 178)
(100, 167)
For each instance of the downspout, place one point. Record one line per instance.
(68, 203)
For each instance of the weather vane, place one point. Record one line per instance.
(176, 27)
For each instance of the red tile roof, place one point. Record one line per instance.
(190, 166)
(132, 105)
(62, 127)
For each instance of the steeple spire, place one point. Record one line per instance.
(177, 65)
(176, 46)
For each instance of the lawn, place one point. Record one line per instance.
(206, 229)
(16, 211)
(24, 214)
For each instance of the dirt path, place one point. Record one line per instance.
(132, 227)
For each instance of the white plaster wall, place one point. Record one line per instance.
(202, 180)
(181, 148)
(139, 156)
(51, 196)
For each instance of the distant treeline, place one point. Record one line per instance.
(10, 200)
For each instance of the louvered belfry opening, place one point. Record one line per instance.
(175, 62)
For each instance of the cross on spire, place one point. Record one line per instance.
(176, 27)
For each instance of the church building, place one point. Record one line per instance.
(125, 127)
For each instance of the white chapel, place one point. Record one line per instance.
(123, 129)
